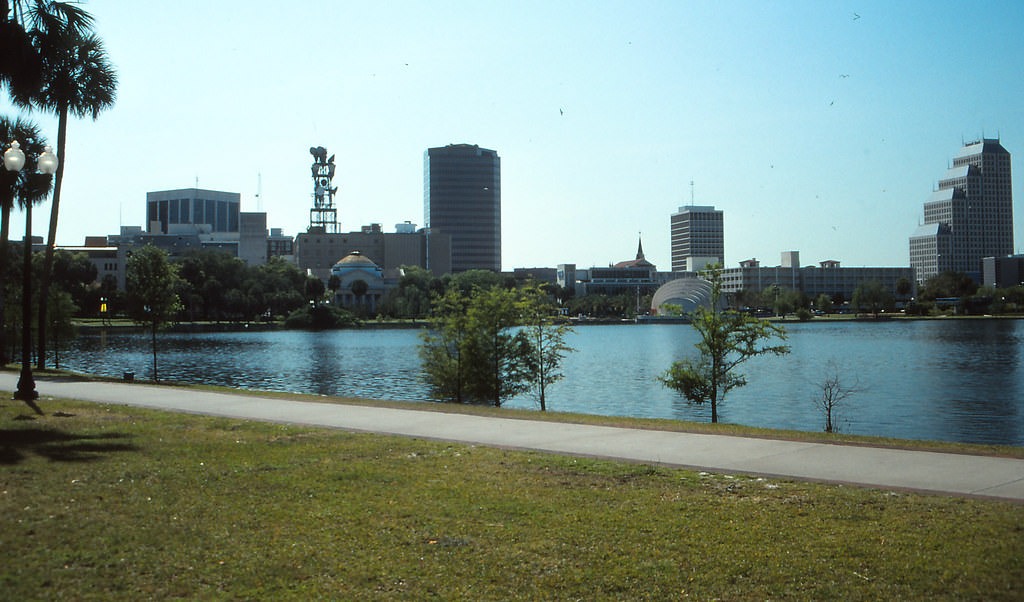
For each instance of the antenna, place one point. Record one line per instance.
(259, 192)
(691, 193)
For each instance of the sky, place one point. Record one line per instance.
(820, 127)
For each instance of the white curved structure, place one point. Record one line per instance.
(685, 293)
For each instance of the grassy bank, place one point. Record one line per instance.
(113, 502)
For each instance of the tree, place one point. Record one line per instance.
(472, 280)
(24, 188)
(747, 298)
(872, 297)
(784, 301)
(948, 285)
(78, 80)
(903, 288)
(320, 317)
(333, 284)
(21, 66)
(442, 346)
(546, 334)
(412, 297)
(832, 395)
(152, 281)
(824, 303)
(283, 286)
(727, 339)
(499, 365)
(62, 329)
(74, 274)
(27, 183)
(359, 288)
(473, 351)
(315, 289)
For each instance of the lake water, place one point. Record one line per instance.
(952, 380)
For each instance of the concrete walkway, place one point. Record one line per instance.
(943, 473)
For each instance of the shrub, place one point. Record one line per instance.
(321, 317)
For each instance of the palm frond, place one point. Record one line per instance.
(51, 16)
(27, 187)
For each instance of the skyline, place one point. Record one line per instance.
(814, 128)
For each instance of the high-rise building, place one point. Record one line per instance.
(970, 215)
(698, 238)
(462, 198)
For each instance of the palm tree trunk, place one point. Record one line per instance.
(155, 378)
(51, 238)
(26, 382)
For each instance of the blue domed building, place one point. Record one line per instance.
(353, 268)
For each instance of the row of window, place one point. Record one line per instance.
(222, 216)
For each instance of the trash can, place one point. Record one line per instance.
(129, 377)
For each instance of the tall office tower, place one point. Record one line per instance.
(462, 198)
(969, 217)
(698, 238)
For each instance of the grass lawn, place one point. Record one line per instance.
(108, 502)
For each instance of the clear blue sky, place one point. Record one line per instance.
(816, 126)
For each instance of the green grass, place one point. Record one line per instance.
(111, 502)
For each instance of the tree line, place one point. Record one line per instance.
(956, 292)
(73, 292)
(949, 292)
(412, 298)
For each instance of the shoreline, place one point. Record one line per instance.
(204, 327)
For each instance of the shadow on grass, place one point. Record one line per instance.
(58, 446)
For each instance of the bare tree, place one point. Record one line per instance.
(833, 394)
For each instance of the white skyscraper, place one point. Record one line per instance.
(970, 215)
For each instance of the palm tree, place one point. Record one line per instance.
(21, 68)
(79, 80)
(28, 187)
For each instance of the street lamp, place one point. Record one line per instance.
(14, 160)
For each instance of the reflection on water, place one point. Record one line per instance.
(948, 380)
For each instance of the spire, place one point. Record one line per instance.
(639, 248)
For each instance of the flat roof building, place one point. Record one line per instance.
(195, 206)
(828, 277)
(1003, 272)
(698, 238)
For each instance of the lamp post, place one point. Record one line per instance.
(14, 160)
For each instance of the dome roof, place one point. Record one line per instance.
(355, 259)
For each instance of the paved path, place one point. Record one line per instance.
(945, 473)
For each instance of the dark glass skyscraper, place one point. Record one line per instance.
(462, 198)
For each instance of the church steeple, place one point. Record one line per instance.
(639, 262)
